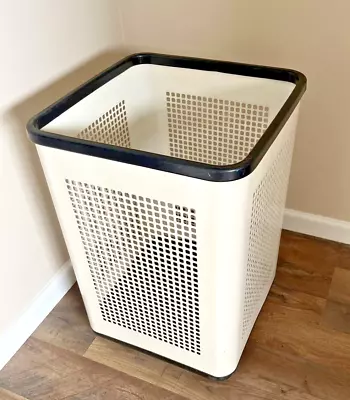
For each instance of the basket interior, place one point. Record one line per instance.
(204, 116)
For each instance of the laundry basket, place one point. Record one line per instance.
(169, 177)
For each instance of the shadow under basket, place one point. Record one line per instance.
(169, 176)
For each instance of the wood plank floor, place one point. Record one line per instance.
(299, 348)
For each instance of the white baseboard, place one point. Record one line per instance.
(44, 302)
(317, 225)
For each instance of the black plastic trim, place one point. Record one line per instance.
(162, 162)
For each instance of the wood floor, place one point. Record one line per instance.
(299, 348)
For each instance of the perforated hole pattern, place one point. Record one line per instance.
(265, 229)
(110, 128)
(213, 131)
(142, 256)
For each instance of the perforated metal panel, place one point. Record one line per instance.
(111, 128)
(142, 256)
(211, 130)
(265, 230)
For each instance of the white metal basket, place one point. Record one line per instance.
(169, 177)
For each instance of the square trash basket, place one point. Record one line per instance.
(169, 177)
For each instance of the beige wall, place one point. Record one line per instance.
(307, 35)
(41, 42)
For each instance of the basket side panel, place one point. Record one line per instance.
(269, 190)
(142, 246)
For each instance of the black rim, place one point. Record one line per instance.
(162, 162)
